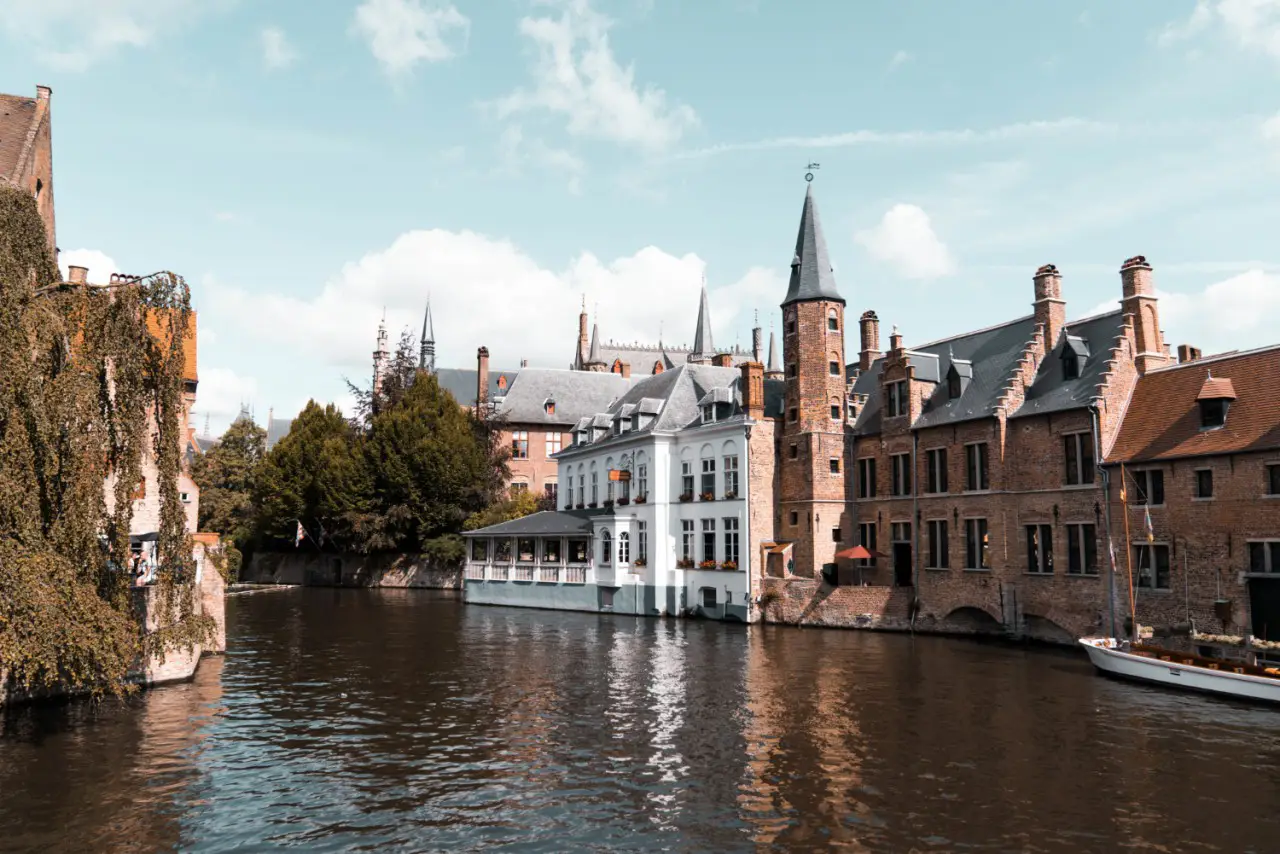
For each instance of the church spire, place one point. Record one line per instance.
(427, 351)
(773, 372)
(380, 356)
(595, 362)
(703, 348)
(811, 275)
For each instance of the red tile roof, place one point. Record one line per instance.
(1163, 418)
(16, 115)
(1217, 388)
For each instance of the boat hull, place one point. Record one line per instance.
(1113, 661)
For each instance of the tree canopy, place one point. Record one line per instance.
(226, 475)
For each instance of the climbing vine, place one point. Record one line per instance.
(91, 380)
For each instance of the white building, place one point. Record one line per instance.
(654, 514)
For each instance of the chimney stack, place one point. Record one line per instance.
(77, 275)
(482, 377)
(1050, 308)
(1140, 306)
(895, 341)
(524, 363)
(870, 340)
(626, 370)
(752, 389)
(1187, 353)
(722, 360)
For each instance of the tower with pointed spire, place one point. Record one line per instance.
(427, 346)
(381, 357)
(773, 371)
(595, 362)
(703, 347)
(813, 472)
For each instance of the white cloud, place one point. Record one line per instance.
(403, 33)
(224, 216)
(1253, 24)
(100, 264)
(899, 58)
(277, 52)
(1271, 129)
(72, 35)
(516, 153)
(905, 240)
(576, 76)
(847, 139)
(1232, 314)
(219, 397)
(486, 291)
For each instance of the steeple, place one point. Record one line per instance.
(811, 274)
(380, 356)
(595, 362)
(703, 347)
(772, 371)
(757, 341)
(581, 356)
(427, 352)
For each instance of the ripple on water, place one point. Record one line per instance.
(401, 720)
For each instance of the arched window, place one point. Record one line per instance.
(624, 547)
(833, 364)
(708, 483)
(836, 409)
(686, 475)
(833, 320)
(609, 487)
(606, 547)
(729, 459)
(642, 477)
(582, 486)
(595, 486)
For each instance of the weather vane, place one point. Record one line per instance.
(808, 176)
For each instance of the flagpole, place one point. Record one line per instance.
(1128, 552)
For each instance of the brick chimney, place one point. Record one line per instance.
(626, 369)
(524, 363)
(1187, 353)
(722, 360)
(482, 377)
(870, 340)
(1050, 308)
(895, 341)
(77, 275)
(752, 389)
(1140, 305)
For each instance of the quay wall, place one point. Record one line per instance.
(314, 569)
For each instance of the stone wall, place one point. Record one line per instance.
(310, 568)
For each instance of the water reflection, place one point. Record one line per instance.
(401, 720)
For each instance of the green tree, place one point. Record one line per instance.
(316, 475)
(226, 474)
(514, 506)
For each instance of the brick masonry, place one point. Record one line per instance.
(315, 569)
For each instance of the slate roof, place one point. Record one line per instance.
(277, 429)
(461, 383)
(811, 274)
(16, 117)
(545, 523)
(641, 357)
(577, 394)
(1163, 418)
(991, 355)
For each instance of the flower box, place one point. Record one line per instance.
(707, 564)
(708, 496)
(686, 497)
(684, 563)
(581, 506)
(729, 496)
(729, 566)
(642, 498)
(592, 505)
(623, 502)
(608, 503)
(640, 562)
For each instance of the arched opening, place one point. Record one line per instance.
(974, 620)
(606, 548)
(1045, 629)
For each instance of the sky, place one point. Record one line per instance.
(309, 165)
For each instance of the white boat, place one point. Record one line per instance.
(1183, 670)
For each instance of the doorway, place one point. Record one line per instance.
(902, 564)
(1264, 607)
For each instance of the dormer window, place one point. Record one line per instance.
(635, 421)
(953, 385)
(708, 413)
(1215, 399)
(958, 377)
(1075, 352)
(1070, 370)
(549, 406)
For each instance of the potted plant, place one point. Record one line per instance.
(686, 496)
(708, 496)
(642, 498)
(581, 506)
(639, 562)
(608, 502)
(730, 495)
(707, 564)
(624, 501)
(730, 565)
(592, 505)
(684, 563)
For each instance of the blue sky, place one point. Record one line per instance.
(307, 164)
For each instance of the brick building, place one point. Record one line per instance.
(1200, 445)
(26, 151)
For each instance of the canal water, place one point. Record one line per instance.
(344, 720)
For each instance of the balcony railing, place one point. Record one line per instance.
(524, 573)
(575, 575)
(548, 574)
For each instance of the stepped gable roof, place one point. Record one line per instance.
(545, 523)
(577, 394)
(811, 275)
(461, 383)
(17, 115)
(991, 355)
(1163, 418)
